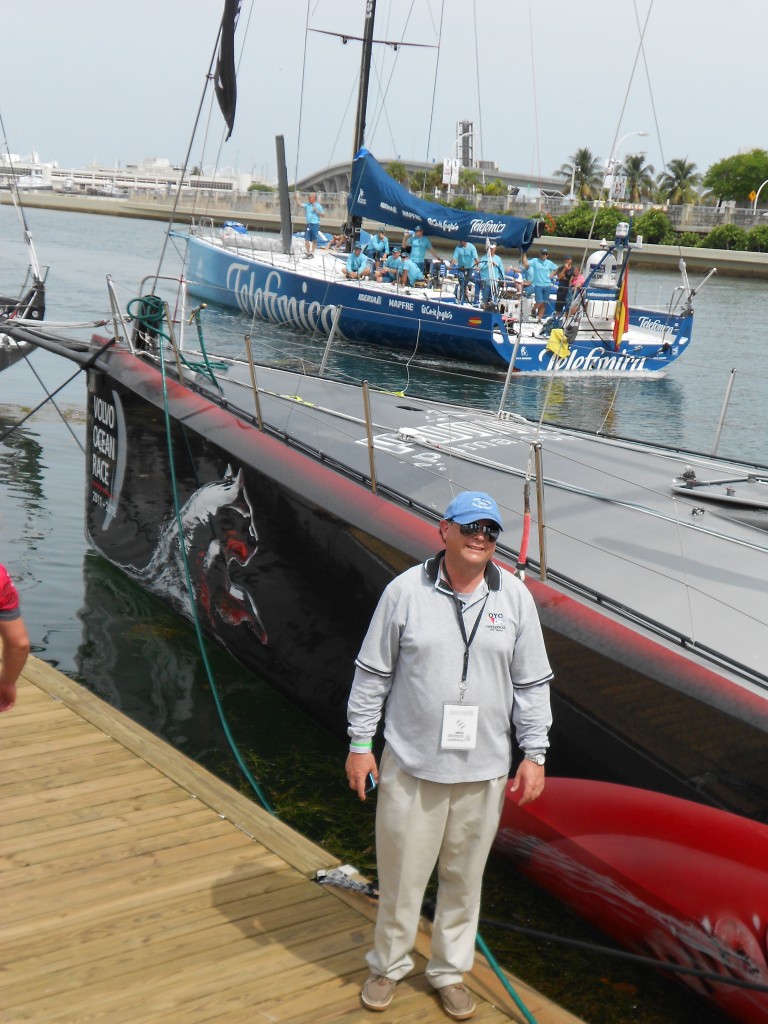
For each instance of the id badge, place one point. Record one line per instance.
(459, 727)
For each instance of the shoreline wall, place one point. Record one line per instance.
(657, 257)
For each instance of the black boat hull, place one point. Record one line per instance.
(287, 556)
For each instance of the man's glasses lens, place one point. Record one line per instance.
(491, 532)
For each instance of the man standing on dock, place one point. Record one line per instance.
(455, 654)
(14, 641)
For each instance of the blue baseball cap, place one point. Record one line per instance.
(471, 506)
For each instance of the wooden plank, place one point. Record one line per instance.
(281, 893)
(295, 848)
(26, 834)
(29, 811)
(70, 773)
(158, 891)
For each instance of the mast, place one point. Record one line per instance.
(365, 74)
(362, 96)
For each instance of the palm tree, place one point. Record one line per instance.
(678, 183)
(469, 179)
(585, 171)
(639, 175)
(398, 171)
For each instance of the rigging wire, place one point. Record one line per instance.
(18, 205)
(434, 95)
(532, 51)
(477, 79)
(650, 87)
(638, 52)
(185, 165)
(301, 94)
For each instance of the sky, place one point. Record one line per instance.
(116, 83)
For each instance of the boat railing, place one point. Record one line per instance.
(684, 609)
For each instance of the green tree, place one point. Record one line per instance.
(640, 177)
(688, 239)
(727, 236)
(398, 171)
(586, 172)
(757, 238)
(677, 184)
(469, 180)
(655, 227)
(461, 203)
(605, 222)
(584, 222)
(429, 181)
(577, 222)
(736, 177)
(494, 188)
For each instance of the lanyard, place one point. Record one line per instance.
(467, 640)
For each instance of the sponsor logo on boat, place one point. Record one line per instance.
(444, 225)
(388, 206)
(401, 304)
(436, 314)
(596, 359)
(107, 468)
(486, 227)
(648, 324)
(374, 299)
(271, 301)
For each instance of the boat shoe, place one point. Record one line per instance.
(377, 992)
(457, 1001)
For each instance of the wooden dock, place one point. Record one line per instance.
(137, 888)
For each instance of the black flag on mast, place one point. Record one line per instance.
(225, 81)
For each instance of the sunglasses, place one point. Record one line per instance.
(468, 529)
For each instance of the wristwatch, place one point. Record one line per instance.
(536, 758)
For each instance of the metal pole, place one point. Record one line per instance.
(369, 432)
(540, 510)
(254, 385)
(510, 371)
(172, 339)
(723, 411)
(331, 336)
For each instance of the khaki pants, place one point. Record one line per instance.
(419, 823)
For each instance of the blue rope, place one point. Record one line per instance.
(151, 316)
(503, 978)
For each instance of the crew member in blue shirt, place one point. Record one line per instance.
(410, 272)
(491, 272)
(420, 246)
(377, 248)
(357, 264)
(392, 267)
(541, 268)
(465, 260)
(312, 211)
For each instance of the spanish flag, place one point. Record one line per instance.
(621, 317)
